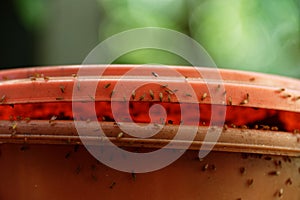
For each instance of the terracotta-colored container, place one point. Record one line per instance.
(256, 154)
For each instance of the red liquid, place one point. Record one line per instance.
(139, 112)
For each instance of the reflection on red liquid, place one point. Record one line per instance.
(139, 112)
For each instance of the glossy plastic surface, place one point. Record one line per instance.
(254, 158)
(257, 102)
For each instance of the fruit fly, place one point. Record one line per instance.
(250, 182)
(169, 98)
(14, 128)
(245, 101)
(274, 173)
(213, 167)
(280, 90)
(120, 135)
(242, 170)
(78, 85)
(265, 127)
(205, 167)
(289, 181)
(112, 185)
(27, 119)
(32, 78)
(68, 155)
(62, 88)
(151, 94)
(24, 147)
(46, 78)
(37, 75)
(142, 97)
(3, 98)
(133, 95)
(274, 128)
(169, 91)
(52, 119)
(107, 85)
(204, 96)
(279, 193)
(225, 127)
(170, 121)
(286, 95)
(160, 96)
(268, 158)
(116, 124)
(297, 98)
(92, 98)
(230, 101)
(112, 93)
(155, 74)
(133, 175)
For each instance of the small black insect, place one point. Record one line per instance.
(112, 185)
(155, 74)
(107, 85)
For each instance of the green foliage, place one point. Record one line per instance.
(31, 12)
(252, 35)
(255, 35)
(127, 14)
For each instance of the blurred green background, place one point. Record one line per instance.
(254, 35)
